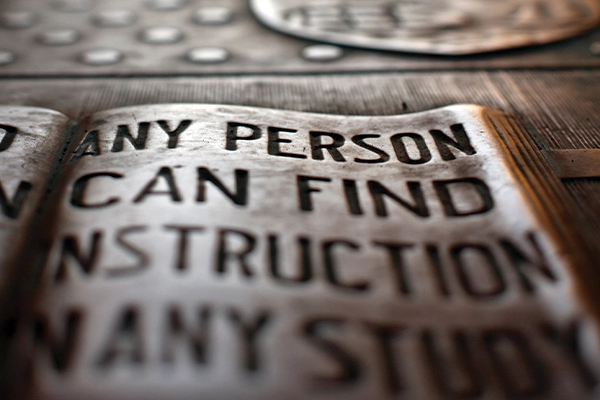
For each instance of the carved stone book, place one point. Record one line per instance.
(184, 251)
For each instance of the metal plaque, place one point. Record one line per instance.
(213, 251)
(430, 26)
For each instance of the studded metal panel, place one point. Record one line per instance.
(99, 37)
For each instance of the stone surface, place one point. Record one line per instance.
(224, 251)
(30, 142)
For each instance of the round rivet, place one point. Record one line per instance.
(213, 16)
(161, 35)
(166, 5)
(595, 48)
(115, 18)
(322, 52)
(59, 37)
(7, 57)
(73, 5)
(101, 57)
(208, 55)
(17, 19)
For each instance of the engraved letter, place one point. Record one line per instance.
(477, 287)
(396, 256)
(12, 208)
(568, 339)
(462, 143)
(167, 174)
(274, 140)
(304, 190)
(90, 146)
(304, 261)
(126, 340)
(348, 367)
(331, 267)
(385, 335)
(441, 281)
(378, 191)
(182, 253)
(248, 332)
(509, 349)
(402, 151)
(528, 268)
(450, 209)
(195, 334)
(224, 253)
(139, 143)
(317, 146)
(10, 132)
(70, 246)
(240, 197)
(174, 134)
(142, 257)
(352, 199)
(80, 185)
(359, 140)
(232, 134)
(61, 345)
(456, 375)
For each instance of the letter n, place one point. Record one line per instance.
(532, 267)
(139, 142)
(71, 249)
(60, 344)
(12, 208)
(460, 142)
(240, 197)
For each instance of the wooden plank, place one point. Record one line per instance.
(575, 163)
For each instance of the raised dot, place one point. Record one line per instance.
(161, 35)
(114, 18)
(212, 16)
(59, 37)
(17, 19)
(73, 5)
(595, 48)
(101, 57)
(166, 5)
(208, 55)
(322, 52)
(7, 57)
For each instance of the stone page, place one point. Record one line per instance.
(214, 251)
(30, 140)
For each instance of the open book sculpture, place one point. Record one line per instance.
(215, 251)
